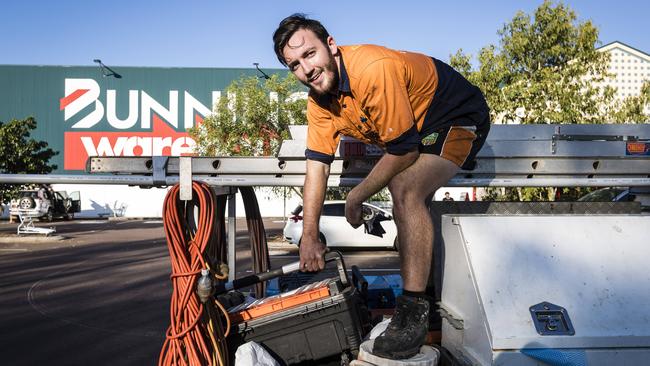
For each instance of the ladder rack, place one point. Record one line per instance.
(513, 156)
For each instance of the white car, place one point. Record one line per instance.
(45, 204)
(335, 231)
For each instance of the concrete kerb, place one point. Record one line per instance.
(7, 239)
(15, 239)
(275, 243)
(282, 245)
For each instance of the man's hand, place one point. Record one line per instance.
(312, 255)
(353, 210)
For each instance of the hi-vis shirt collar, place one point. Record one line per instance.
(344, 80)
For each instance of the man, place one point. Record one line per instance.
(430, 122)
(447, 197)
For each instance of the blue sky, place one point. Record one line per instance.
(221, 33)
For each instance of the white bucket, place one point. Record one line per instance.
(428, 356)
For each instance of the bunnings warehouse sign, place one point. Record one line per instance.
(81, 113)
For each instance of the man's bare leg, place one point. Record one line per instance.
(410, 190)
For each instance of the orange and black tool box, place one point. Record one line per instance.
(310, 323)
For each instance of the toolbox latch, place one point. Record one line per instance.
(550, 319)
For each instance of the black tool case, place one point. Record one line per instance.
(334, 325)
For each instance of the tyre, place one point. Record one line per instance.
(26, 203)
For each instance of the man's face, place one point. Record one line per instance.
(312, 61)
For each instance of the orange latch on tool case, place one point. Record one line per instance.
(302, 295)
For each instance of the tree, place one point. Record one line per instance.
(253, 119)
(547, 69)
(22, 154)
(631, 109)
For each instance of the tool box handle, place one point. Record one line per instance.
(286, 269)
(359, 281)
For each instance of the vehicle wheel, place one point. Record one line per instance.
(396, 244)
(26, 203)
(50, 215)
(67, 217)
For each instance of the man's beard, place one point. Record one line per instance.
(332, 86)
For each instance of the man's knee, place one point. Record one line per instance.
(404, 199)
(397, 192)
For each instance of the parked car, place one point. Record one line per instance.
(45, 204)
(620, 194)
(335, 231)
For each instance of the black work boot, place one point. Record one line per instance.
(406, 331)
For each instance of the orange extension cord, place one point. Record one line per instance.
(196, 335)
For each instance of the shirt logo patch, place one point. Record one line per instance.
(430, 139)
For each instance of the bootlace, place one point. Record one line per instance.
(400, 317)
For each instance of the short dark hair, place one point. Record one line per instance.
(289, 25)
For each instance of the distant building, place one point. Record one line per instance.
(630, 69)
(630, 66)
(82, 112)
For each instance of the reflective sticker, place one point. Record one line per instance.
(637, 148)
(430, 139)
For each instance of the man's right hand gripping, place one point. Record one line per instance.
(312, 255)
(312, 251)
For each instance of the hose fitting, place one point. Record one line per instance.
(204, 288)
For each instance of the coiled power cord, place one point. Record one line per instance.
(196, 240)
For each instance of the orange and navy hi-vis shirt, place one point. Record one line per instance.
(384, 98)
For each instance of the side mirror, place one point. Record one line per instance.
(297, 210)
(384, 215)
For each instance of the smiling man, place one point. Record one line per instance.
(430, 122)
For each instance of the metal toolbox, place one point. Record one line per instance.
(541, 290)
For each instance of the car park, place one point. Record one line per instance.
(45, 204)
(335, 231)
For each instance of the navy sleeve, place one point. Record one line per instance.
(405, 143)
(318, 156)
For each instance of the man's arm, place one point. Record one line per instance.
(386, 168)
(311, 249)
